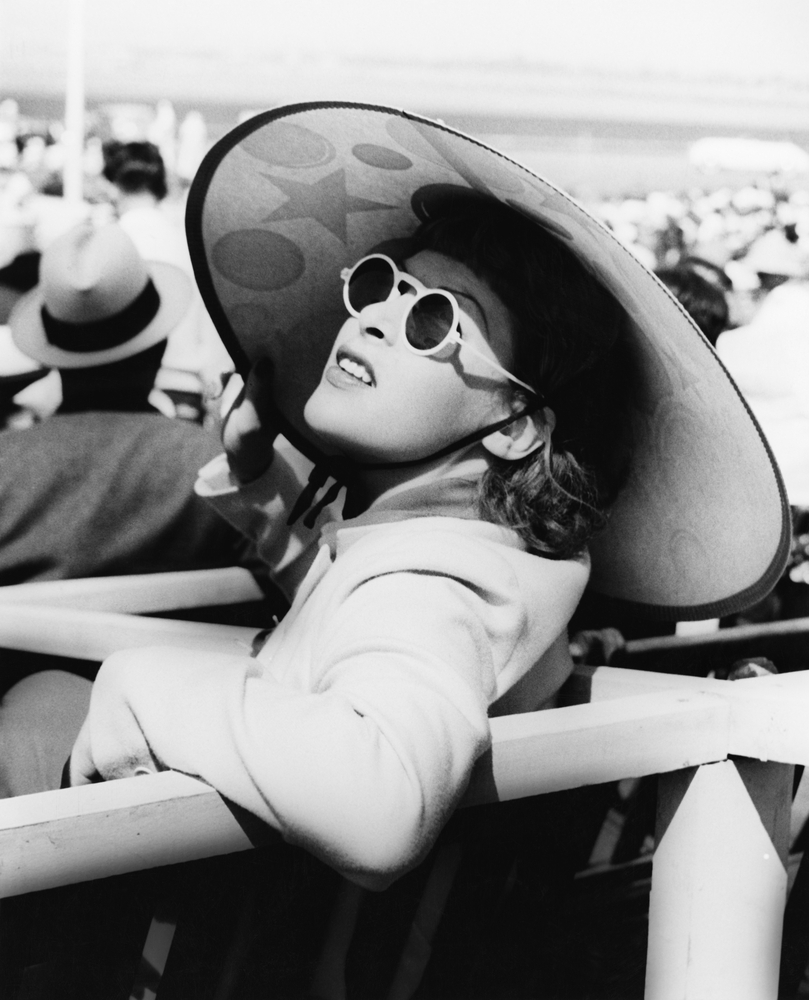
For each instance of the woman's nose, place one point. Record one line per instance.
(382, 319)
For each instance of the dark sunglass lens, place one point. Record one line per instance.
(371, 282)
(429, 322)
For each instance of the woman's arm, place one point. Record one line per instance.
(362, 770)
(254, 484)
(260, 511)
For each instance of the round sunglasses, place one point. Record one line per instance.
(432, 318)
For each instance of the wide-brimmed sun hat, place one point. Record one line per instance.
(97, 300)
(290, 197)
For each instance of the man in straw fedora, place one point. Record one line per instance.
(513, 409)
(105, 485)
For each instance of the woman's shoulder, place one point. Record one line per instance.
(478, 553)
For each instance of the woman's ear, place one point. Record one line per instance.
(522, 437)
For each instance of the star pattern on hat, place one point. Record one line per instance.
(327, 201)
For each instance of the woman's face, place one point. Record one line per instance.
(377, 401)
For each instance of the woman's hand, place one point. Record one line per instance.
(82, 766)
(596, 647)
(251, 426)
(111, 743)
(83, 770)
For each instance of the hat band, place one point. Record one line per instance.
(101, 334)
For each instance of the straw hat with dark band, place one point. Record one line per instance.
(97, 301)
(290, 197)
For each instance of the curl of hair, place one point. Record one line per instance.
(571, 343)
(134, 167)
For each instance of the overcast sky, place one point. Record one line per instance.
(737, 38)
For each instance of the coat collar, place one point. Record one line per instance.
(453, 496)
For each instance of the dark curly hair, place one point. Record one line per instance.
(571, 343)
(703, 300)
(134, 167)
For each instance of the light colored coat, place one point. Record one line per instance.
(355, 729)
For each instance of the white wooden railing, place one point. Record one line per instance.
(724, 753)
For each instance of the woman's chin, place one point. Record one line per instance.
(342, 427)
(343, 441)
(322, 424)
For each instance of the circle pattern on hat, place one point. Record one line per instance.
(288, 145)
(381, 157)
(258, 259)
(404, 134)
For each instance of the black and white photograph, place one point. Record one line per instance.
(404, 464)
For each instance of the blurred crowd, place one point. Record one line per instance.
(737, 259)
(667, 230)
(138, 163)
(111, 371)
(736, 233)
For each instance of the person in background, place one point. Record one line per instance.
(105, 485)
(769, 360)
(17, 373)
(29, 392)
(699, 289)
(195, 359)
(777, 257)
(18, 276)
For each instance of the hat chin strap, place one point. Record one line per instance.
(342, 469)
(472, 438)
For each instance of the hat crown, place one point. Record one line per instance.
(91, 274)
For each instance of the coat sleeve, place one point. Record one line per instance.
(260, 511)
(363, 767)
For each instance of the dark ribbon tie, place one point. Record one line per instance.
(102, 334)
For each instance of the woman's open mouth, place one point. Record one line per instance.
(350, 370)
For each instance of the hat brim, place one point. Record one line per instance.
(174, 287)
(290, 197)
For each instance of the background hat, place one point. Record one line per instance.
(288, 198)
(17, 370)
(773, 253)
(97, 300)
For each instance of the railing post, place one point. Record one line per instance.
(719, 882)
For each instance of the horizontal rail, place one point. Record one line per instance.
(785, 642)
(629, 737)
(77, 834)
(141, 593)
(94, 635)
(767, 718)
(788, 627)
(662, 724)
(55, 838)
(636, 723)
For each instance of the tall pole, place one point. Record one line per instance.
(73, 172)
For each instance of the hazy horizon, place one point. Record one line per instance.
(631, 80)
(738, 39)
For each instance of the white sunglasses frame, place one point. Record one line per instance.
(453, 335)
